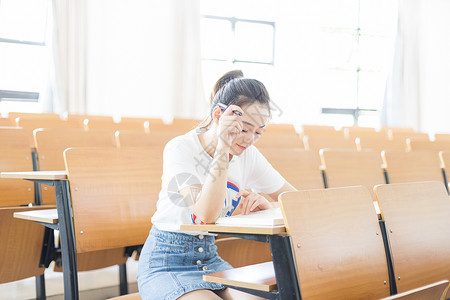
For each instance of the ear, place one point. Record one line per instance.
(216, 113)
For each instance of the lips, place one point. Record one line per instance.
(241, 147)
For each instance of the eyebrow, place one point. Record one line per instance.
(250, 124)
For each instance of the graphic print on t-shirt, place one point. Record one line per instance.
(230, 203)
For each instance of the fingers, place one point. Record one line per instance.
(233, 110)
(253, 202)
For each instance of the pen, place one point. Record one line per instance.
(223, 107)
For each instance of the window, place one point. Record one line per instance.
(23, 56)
(236, 36)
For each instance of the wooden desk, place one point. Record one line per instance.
(282, 255)
(49, 216)
(58, 179)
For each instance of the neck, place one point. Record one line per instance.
(209, 141)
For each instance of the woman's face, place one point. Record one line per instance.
(254, 120)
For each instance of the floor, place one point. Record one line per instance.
(93, 285)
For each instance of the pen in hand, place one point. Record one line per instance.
(223, 107)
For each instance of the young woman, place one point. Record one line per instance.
(207, 173)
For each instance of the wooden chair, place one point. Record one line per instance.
(356, 131)
(113, 194)
(31, 124)
(436, 146)
(412, 166)
(299, 167)
(280, 136)
(417, 218)
(391, 132)
(41, 116)
(319, 130)
(5, 122)
(417, 136)
(314, 143)
(349, 168)
(433, 291)
(51, 143)
(380, 143)
(21, 247)
(336, 240)
(134, 296)
(442, 137)
(15, 155)
(239, 252)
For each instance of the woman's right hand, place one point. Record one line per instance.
(230, 126)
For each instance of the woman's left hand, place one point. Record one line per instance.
(251, 202)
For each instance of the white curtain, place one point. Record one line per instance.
(144, 58)
(67, 87)
(417, 93)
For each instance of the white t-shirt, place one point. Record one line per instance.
(186, 163)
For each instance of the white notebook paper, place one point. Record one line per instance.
(268, 217)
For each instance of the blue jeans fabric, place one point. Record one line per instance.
(172, 264)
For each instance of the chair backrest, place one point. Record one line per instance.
(337, 244)
(21, 245)
(299, 167)
(442, 137)
(5, 122)
(381, 143)
(436, 146)
(356, 131)
(114, 194)
(51, 143)
(314, 143)
(15, 156)
(416, 136)
(281, 135)
(417, 218)
(240, 252)
(391, 132)
(41, 116)
(433, 291)
(29, 125)
(351, 167)
(314, 130)
(412, 166)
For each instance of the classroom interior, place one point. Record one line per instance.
(359, 97)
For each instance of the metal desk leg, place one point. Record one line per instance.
(68, 248)
(284, 265)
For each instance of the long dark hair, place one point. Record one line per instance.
(234, 88)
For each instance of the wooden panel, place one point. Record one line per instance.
(134, 296)
(114, 194)
(442, 137)
(257, 277)
(429, 146)
(337, 243)
(356, 131)
(429, 292)
(412, 166)
(349, 168)
(15, 155)
(380, 144)
(273, 128)
(280, 136)
(417, 217)
(314, 143)
(21, 245)
(51, 143)
(5, 122)
(49, 116)
(313, 130)
(239, 252)
(417, 136)
(30, 125)
(299, 167)
(95, 260)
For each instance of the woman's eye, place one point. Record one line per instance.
(243, 130)
(259, 133)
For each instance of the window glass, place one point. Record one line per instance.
(23, 20)
(254, 42)
(217, 39)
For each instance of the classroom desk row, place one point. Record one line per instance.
(285, 262)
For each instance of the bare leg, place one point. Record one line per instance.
(231, 294)
(200, 295)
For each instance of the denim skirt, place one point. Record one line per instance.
(172, 264)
